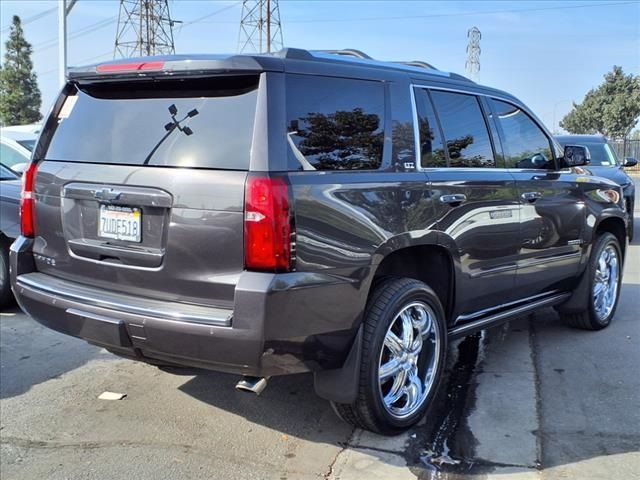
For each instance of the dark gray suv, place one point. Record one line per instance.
(307, 211)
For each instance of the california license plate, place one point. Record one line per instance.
(120, 223)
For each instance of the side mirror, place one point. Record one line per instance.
(576, 155)
(629, 162)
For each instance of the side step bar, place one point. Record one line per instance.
(505, 315)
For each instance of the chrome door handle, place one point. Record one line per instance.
(531, 196)
(455, 199)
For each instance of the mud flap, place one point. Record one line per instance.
(579, 299)
(340, 385)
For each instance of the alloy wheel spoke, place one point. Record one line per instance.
(414, 388)
(395, 392)
(393, 343)
(390, 368)
(407, 330)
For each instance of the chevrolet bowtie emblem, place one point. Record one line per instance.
(107, 194)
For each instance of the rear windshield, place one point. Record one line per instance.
(201, 123)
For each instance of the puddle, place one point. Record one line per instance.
(443, 447)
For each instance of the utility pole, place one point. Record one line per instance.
(64, 7)
(260, 27)
(472, 64)
(145, 28)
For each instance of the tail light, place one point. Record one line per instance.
(267, 224)
(28, 201)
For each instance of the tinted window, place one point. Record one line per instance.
(525, 144)
(334, 123)
(196, 123)
(431, 146)
(464, 129)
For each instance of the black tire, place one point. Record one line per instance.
(6, 296)
(588, 319)
(387, 300)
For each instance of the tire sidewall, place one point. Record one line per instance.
(603, 242)
(416, 291)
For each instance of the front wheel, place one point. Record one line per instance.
(605, 276)
(403, 356)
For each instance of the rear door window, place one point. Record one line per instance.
(431, 145)
(201, 123)
(464, 128)
(334, 123)
(525, 144)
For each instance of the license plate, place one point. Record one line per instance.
(120, 223)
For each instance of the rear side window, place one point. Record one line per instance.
(464, 129)
(202, 123)
(525, 144)
(334, 123)
(431, 146)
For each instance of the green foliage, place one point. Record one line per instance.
(20, 97)
(611, 109)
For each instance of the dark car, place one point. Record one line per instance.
(9, 226)
(605, 163)
(307, 211)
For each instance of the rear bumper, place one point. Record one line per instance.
(280, 324)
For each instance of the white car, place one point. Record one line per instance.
(16, 144)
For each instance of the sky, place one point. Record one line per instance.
(547, 53)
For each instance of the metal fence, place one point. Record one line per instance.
(628, 148)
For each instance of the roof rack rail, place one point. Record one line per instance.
(348, 52)
(417, 63)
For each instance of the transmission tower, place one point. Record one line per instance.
(260, 28)
(472, 64)
(144, 28)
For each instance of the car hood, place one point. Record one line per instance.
(612, 173)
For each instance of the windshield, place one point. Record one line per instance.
(201, 123)
(601, 155)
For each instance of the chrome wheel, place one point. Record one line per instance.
(409, 359)
(605, 284)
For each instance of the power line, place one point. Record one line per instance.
(459, 14)
(52, 42)
(32, 18)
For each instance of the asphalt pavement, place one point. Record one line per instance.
(533, 399)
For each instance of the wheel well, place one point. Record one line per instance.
(615, 226)
(428, 263)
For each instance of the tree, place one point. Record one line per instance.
(20, 97)
(611, 109)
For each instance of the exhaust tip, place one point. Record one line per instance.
(252, 384)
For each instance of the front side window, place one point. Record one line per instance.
(464, 129)
(525, 144)
(334, 123)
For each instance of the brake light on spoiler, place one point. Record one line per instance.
(129, 67)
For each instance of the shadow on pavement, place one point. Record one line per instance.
(31, 354)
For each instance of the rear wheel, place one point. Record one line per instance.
(605, 275)
(404, 348)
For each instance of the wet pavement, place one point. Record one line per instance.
(531, 399)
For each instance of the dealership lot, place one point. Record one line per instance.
(533, 399)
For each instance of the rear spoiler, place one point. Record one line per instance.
(177, 64)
